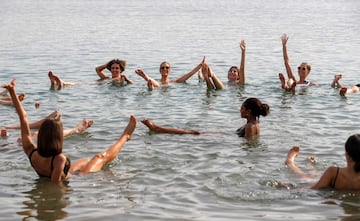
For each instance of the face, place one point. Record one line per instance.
(165, 69)
(303, 70)
(243, 112)
(115, 70)
(233, 74)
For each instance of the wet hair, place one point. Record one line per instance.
(50, 138)
(352, 147)
(122, 64)
(256, 107)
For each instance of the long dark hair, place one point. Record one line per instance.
(352, 147)
(50, 138)
(256, 107)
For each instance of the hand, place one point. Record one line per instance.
(203, 61)
(9, 86)
(243, 45)
(284, 38)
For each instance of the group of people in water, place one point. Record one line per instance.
(47, 156)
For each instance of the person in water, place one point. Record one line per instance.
(117, 68)
(236, 76)
(81, 127)
(56, 82)
(303, 71)
(47, 157)
(251, 109)
(345, 178)
(8, 101)
(165, 70)
(343, 90)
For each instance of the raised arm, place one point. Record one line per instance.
(28, 145)
(242, 62)
(99, 71)
(284, 39)
(146, 77)
(191, 73)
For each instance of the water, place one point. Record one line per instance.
(214, 176)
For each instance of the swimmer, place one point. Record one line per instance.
(303, 71)
(165, 71)
(47, 158)
(235, 75)
(346, 178)
(342, 89)
(78, 129)
(251, 109)
(56, 82)
(117, 68)
(8, 100)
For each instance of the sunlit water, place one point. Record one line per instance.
(213, 176)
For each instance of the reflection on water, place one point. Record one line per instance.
(46, 201)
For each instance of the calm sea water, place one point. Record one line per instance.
(214, 176)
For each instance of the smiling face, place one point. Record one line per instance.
(165, 70)
(233, 74)
(304, 70)
(115, 70)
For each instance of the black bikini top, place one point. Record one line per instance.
(66, 168)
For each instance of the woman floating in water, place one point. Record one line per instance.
(342, 89)
(346, 178)
(116, 67)
(303, 71)
(47, 158)
(165, 71)
(236, 76)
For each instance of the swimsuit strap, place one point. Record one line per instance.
(52, 162)
(337, 173)
(30, 155)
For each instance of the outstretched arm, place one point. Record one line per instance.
(242, 62)
(284, 39)
(158, 129)
(28, 145)
(99, 71)
(191, 73)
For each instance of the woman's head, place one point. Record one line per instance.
(352, 148)
(50, 138)
(164, 69)
(304, 70)
(233, 74)
(254, 107)
(116, 66)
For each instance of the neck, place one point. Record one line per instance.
(251, 119)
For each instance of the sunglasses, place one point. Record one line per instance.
(165, 67)
(302, 68)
